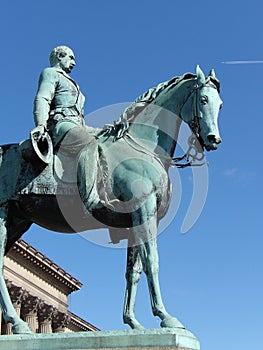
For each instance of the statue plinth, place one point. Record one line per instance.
(156, 339)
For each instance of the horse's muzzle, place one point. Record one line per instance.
(213, 142)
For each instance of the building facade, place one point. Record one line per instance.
(39, 290)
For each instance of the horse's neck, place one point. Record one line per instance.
(157, 129)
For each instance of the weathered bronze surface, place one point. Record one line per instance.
(116, 177)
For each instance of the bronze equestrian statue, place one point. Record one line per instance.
(115, 177)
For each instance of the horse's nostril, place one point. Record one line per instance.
(214, 139)
(211, 138)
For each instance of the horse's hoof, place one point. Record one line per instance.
(138, 327)
(21, 328)
(171, 322)
(133, 323)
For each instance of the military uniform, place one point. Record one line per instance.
(59, 106)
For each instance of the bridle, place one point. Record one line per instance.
(193, 153)
(191, 156)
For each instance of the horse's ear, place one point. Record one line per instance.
(200, 75)
(213, 78)
(212, 74)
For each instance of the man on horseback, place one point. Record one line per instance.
(59, 112)
(59, 104)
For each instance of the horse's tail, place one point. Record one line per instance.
(10, 166)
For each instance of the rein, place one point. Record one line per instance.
(191, 156)
(194, 124)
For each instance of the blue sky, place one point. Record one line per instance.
(211, 277)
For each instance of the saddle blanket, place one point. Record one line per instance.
(57, 178)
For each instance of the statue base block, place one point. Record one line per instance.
(148, 339)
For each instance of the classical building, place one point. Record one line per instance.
(39, 290)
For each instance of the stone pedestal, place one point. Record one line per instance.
(150, 339)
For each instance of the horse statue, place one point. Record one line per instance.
(131, 190)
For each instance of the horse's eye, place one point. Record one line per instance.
(204, 100)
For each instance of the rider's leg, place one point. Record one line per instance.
(80, 144)
(74, 140)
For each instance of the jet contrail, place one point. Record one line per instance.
(242, 62)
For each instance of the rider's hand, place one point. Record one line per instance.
(38, 133)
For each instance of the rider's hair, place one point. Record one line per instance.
(56, 52)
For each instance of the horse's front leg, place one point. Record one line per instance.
(8, 311)
(133, 274)
(145, 231)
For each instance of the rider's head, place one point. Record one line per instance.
(63, 57)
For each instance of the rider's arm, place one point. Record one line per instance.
(46, 90)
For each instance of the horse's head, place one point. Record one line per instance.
(201, 107)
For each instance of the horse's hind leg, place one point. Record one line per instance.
(133, 273)
(8, 311)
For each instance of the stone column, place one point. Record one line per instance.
(16, 294)
(7, 328)
(45, 315)
(29, 311)
(60, 321)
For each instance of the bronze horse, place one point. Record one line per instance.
(134, 190)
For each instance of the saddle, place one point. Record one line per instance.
(59, 176)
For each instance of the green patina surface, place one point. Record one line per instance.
(132, 192)
(130, 339)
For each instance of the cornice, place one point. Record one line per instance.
(33, 260)
(81, 324)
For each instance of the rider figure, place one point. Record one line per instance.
(59, 110)
(59, 104)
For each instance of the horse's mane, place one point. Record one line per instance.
(151, 94)
(121, 125)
